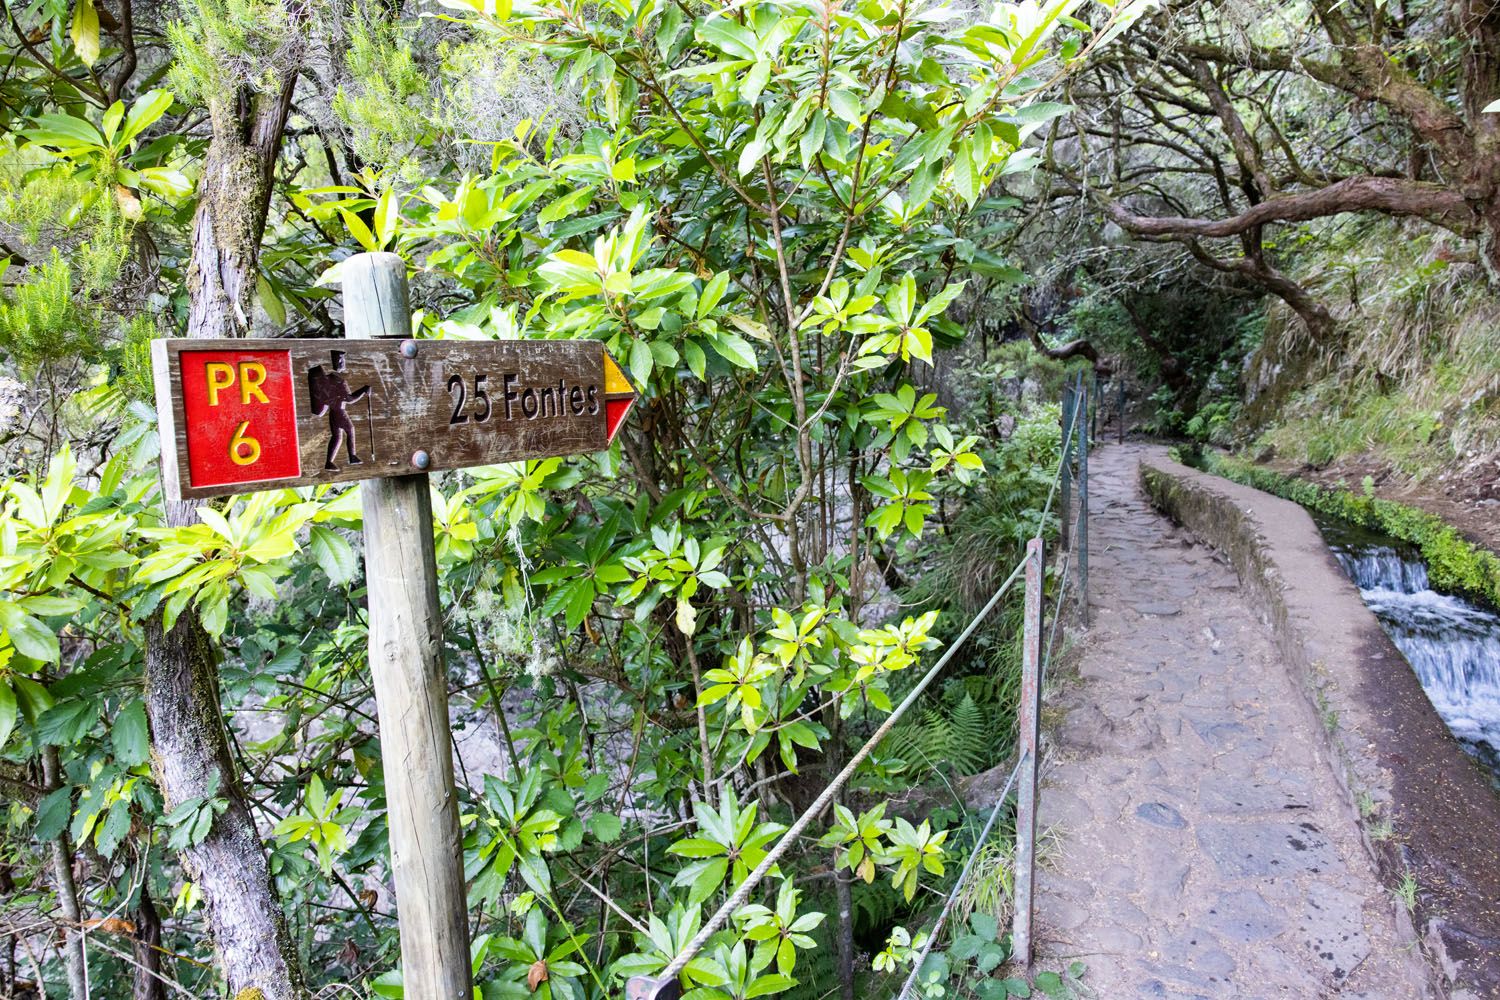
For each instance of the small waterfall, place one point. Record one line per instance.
(1453, 645)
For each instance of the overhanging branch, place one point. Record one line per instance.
(1389, 195)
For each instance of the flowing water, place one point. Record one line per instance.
(1453, 644)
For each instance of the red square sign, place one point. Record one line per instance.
(240, 417)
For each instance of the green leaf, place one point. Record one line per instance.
(1039, 113)
(605, 827)
(129, 735)
(965, 178)
(845, 105)
(147, 108)
(110, 123)
(116, 825)
(333, 553)
(697, 361)
(641, 361)
(756, 80)
(275, 311)
(85, 32)
(359, 230)
(29, 636)
(580, 600)
(52, 814)
(63, 131)
(751, 154)
(1051, 984)
(712, 293)
(728, 35)
(7, 712)
(767, 985)
(697, 847)
(734, 349)
(65, 723)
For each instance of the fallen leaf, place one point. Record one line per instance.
(537, 976)
(109, 925)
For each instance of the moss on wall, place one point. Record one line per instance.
(1453, 563)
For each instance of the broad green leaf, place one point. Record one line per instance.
(53, 813)
(63, 131)
(734, 349)
(605, 827)
(129, 736)
(333, 553)
(359, 230)
(641, 361)
(110, 123)
(845, 105)
(275, 311)
(728, 35)
(713, 292)
(7, 711)
(85, 32)
(147, 108)
(29, 636)
(66, 722)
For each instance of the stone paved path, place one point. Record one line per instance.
(1204, 849)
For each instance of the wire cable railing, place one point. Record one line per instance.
(958, 886)
(1075, 425)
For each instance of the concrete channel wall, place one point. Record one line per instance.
(1425, 808)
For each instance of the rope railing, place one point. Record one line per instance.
(1075, 424)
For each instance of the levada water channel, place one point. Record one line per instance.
(1452, 644)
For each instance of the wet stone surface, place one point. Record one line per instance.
(1204, 850)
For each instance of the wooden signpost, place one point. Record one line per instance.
(243, 415)
(246, 415)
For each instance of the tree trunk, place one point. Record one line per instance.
(148, 981)
(67, 892)
(191, 761)
(191, 757)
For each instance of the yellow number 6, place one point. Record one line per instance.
(251, 447)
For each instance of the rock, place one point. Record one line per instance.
(1117, 940)
(1332, 927)
(1267, 849)
(1244, 916)
(1240, 799)
(1160, 814)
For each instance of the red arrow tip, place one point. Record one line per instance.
(614, 415)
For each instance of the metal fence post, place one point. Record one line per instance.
(1065, 475)
(1029, 724)
(1083, 521)
(1122, 410)
(1094, 405)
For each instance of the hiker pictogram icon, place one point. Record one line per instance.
(329, 393)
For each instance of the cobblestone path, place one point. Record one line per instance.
(1203, 848)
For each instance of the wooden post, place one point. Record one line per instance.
(1029, 724)
(411, 684)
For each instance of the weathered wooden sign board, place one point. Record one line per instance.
(243, 415)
